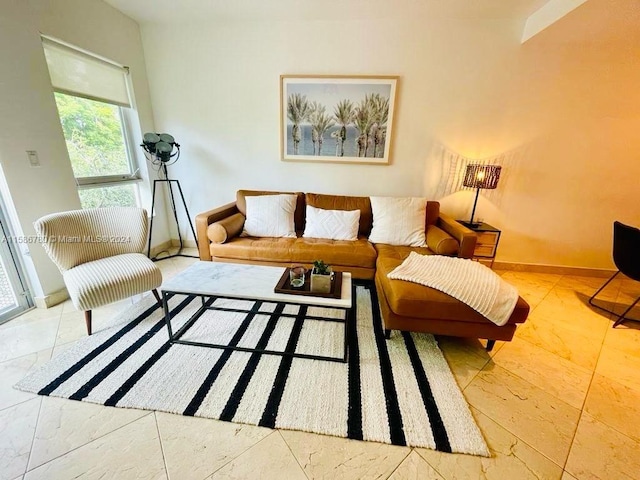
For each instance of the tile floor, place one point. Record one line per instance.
(562, 401)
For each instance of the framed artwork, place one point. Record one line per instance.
(345, 119)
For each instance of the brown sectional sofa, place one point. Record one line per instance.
(404, 305)
(219, 236)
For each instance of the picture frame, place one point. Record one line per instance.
(341, 119)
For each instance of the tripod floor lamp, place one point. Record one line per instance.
(159, 150)
(480, 176)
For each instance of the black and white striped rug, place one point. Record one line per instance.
(399, 391)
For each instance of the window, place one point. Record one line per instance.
(97, 147)
(92, 99)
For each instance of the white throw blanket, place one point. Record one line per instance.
(470, 282)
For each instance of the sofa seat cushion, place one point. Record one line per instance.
(266, 249)
(399, 252)
(338, 253)
(357, 253)
(413, 300)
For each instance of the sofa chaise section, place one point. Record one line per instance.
(408, 306)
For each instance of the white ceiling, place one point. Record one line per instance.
(611, 26)
(607, 24)
(168, 11)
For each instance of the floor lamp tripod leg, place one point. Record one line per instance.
(175, 216)
(175, 212)
(153, 204)
(193, 231)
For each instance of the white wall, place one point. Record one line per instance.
(467, 86)
(28, 115)
(29, 121)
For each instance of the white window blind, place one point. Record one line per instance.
(78, 73)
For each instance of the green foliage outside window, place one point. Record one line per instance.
(96, 145)
(117, 196)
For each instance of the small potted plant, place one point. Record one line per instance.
(321, 276)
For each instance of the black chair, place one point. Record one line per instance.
(626, 256)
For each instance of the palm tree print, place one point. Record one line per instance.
(353, 117)
(343, 113)
(297, 111)
(362, 119)
(380, 115)
(320, 123)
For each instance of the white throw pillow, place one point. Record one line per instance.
(332, 224)
(270, 216)
(398, 221)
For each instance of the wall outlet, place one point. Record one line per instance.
(34, 161)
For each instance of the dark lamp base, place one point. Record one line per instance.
(471, 225)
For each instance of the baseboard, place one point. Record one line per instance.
(185, 243)
(160, 248)
(554, 269)
(169, 247)
(52, 299)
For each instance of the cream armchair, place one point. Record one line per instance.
(99, 253)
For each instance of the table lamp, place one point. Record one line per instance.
(480, 176)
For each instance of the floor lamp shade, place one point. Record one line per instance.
(481, 176)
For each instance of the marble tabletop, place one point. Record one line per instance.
(254, 282)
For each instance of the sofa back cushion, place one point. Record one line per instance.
(340, 202)
(298, 216)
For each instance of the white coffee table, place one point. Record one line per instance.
(210, 280)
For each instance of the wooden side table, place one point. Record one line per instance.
(487, 244)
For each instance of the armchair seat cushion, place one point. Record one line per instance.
(110, 279)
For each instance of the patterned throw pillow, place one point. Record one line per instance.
(332, 224)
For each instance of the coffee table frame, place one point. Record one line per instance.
(207, 300)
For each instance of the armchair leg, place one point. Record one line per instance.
(621, 317)
(490, 344)
(157, 295)
(599, 290)
(87, 320)
(387, 334)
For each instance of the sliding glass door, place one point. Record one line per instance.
(14, 293)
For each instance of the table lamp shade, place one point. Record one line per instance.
(482, 176)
